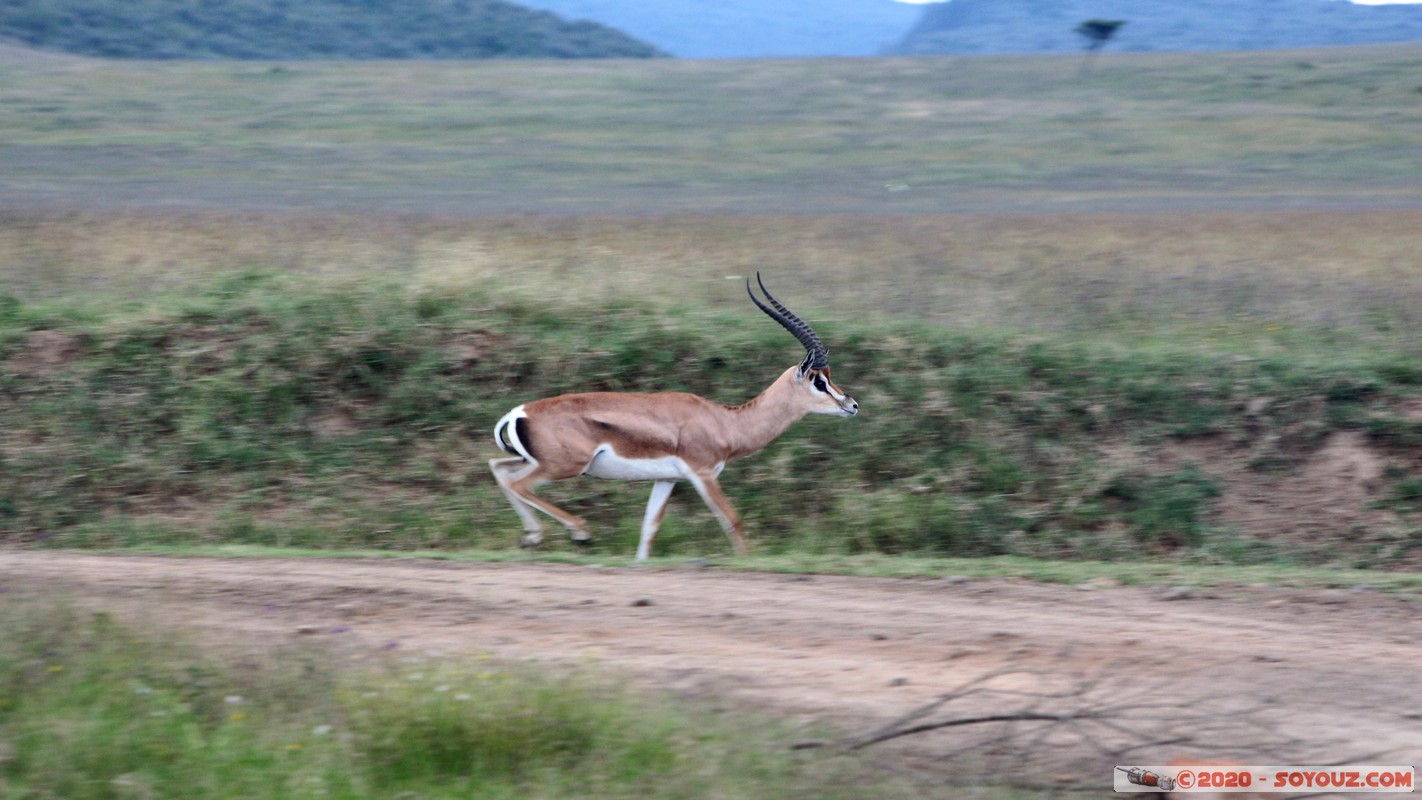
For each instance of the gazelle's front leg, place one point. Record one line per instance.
(715, 499)
(656, 508)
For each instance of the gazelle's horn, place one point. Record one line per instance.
(816, 356)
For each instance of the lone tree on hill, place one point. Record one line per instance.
(1097, 33)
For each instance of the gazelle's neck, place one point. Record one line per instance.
(767, 415)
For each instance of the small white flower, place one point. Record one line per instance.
(232, 699)
(321, 730)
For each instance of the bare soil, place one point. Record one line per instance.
(1308, 676)
(1330, 493)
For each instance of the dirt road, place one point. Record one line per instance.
(1327, 676)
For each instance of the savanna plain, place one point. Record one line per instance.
(1136, 353)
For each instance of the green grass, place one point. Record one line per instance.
(92, 708)
(270, 410)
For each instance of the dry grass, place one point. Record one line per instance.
(1250, 278)
(1328, 128)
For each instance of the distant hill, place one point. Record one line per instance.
(750, 28)
(1046, 26)
(299, 29)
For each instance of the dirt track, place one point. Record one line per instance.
(1337, 674)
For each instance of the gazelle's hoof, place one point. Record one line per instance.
(583, 543)
(530, 541)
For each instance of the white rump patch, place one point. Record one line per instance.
(606, 463)
(507, 429)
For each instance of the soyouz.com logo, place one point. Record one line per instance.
(1260, 779)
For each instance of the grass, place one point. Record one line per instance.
(1254, 283)
(273, 409)
(1331, 128)
(91, 707)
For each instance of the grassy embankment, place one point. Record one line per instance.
(1080, 386)
(340, 406)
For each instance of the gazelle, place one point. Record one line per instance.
(664, 437)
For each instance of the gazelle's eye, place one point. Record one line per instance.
(820, 384)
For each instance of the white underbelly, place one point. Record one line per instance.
(608, 464)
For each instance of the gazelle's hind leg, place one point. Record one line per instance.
(656, 507)
(506, 469)
(518, 478)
